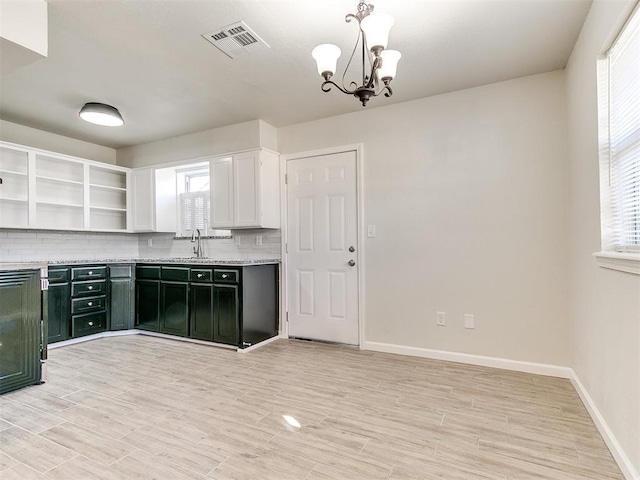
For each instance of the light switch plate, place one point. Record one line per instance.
(469, 321)
(371, 231)
(259, 240)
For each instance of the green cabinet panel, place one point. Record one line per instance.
(174, 308)
(226, 318)
(148, 305)
(121, 297)
(121, 304)
(20, 317)
(201, 314)
(59, 309)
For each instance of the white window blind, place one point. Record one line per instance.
(194, 212)
(624, 136)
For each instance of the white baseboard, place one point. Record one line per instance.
(259, 344)
(494, 362)
(95, 336)
(621, 458)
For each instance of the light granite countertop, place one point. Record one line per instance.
(172, 260)
(11, 267)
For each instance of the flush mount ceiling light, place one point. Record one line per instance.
(379, 63)
(101, 114)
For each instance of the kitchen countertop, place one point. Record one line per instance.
(10, 267)
(184, 260)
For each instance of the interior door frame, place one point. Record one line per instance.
(360, 253)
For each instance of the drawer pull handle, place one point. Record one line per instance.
(90, 304)
(90, 272)
(224, 275)
(90, 287)
(199, 275)
(90, 324)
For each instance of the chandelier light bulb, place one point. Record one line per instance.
(326, 56)
(376, 27)
(387, 70)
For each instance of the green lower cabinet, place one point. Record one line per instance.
(226, 318)
(174, 308)
(121, 297)
(59, 309)
(20, 314)
(201, 314)
(148, 305)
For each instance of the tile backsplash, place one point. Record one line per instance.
(43, 245)
(241, 246)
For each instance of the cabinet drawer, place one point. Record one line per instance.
(120, 271)
(86, 305)
(89, 323)
(225, 275)
(179, 274)
(88, 273)
(151, 272)
(83, 289)
(58, 275)
(201, 275)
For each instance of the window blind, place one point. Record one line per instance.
(624, 135)
(194, 212)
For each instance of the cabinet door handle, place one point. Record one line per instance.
(90, 324)
(224, 275)
(199, 275)
(90, 304)
(90, 287)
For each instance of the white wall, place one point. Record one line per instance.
(468, 191)
(32, 137)
(605, 304)
(217, 141)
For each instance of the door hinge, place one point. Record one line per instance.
(286, 178)
(287, 317)
(286, 248)
(44, 284)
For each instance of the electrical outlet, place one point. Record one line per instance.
(469, 321)
(149, 242)
(237, 240)
(441, 319)
(259, 240)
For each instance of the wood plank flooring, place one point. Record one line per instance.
(139, 407)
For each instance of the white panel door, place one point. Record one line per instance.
(322, 272)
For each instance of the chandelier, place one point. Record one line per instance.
(378, 63)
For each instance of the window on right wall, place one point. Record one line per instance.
(619, 141)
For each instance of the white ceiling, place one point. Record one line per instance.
(147, 58)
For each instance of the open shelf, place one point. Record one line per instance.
(58, 180)
(14, 185)
(15, 213)
(105, 219)
(51, 191)
(109, 209)
(60, 216)
(61, 204)
(13, 161)
(108, 198)
(5, 171)
(104, 177)
(107, 187)
(59, 169)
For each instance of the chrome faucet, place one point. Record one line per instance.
(197, 248)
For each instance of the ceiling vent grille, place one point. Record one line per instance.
(236, 40)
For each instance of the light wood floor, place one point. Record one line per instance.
(140, 407)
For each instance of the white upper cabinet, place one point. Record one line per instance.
(47, 190)
(154, 200)
(245, 191)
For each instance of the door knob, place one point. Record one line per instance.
(352, 249)
(352, 263)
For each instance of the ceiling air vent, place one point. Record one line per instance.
(236, 40)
